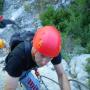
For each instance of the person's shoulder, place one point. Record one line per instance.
(59, 56)
(19, 48)
(16, 53)
(57, 59)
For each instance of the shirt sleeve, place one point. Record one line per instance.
(56, 60)
(14, 65)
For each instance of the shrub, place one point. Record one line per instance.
(55, 17)
(73, 20)
(1, 6)
(88, 47)
(88, 70)
(27, 6)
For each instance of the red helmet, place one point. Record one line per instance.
(1, 18)
(47, 40)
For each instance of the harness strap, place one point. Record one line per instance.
(37, 72)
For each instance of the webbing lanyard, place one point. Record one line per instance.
(39, 78)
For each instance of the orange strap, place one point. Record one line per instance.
(37, 72)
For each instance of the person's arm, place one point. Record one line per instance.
(10, 82)
(63, 80)
(8, 21)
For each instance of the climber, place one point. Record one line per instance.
(26, 55)
(5, 22)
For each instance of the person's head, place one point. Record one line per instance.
(2, 43)
(46, 44)
(1, 18)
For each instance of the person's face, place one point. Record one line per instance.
(41, 60)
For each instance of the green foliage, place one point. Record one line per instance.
(1, 6)
(88, 70)
(27, 6)
(41, 5)
(46, 17)
(65, 52)
(88, 47)
(74, 19)
(55, 17)
(88, 65)
(85, 35)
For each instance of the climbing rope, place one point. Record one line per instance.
(42, 76)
